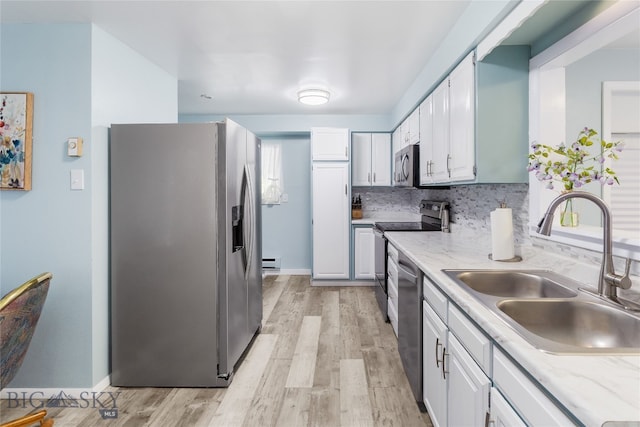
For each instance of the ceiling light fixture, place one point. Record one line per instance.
(313, 96)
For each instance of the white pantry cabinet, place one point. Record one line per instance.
(331, 224)
(330, 144)
(363, 250)
(371, 159)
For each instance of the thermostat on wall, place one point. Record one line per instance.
(74, 147)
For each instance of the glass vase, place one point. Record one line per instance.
(569, 218)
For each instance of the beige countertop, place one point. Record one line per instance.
(594, 388)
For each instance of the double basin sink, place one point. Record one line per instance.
(546, 310)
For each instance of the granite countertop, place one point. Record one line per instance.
(594, 388)
(369, 218)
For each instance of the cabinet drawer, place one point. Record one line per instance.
(393, 316)
(393, 298)
(476, 343)
(392, 274)
(525, 396)
(392, 252)
(435, 298)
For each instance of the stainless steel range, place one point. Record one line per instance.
(435, 217)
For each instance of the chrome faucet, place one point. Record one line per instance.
(609, 281)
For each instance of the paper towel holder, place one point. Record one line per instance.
(516, 258)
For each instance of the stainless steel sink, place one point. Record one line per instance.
(574, 323)
(545, 309)
(513, 283)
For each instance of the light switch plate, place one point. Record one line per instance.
(77, 179)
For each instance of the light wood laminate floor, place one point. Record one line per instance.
(324, 357)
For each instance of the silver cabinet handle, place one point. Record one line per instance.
(345, 189)
(444, 371)
(436, 348)
(369, 177)
(374, 177)
(448, 166)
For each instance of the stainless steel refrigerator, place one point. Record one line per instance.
(186, 283)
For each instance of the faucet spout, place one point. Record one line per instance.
(608, 280)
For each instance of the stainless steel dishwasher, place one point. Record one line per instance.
(410, 324)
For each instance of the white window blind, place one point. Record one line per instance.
(272, 178)
(621, 110)
(624, 199)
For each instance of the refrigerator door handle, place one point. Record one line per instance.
(249, 220)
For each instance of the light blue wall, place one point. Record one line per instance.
(476, 22)
(125, 88)
(286, 228)
(49, 227)
(278, 125)
(77, 73)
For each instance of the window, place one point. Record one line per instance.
(272, 186)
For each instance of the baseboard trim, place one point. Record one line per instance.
(287, 272)
(48, 393)
(343, 283)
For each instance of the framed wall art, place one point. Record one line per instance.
(16, 132)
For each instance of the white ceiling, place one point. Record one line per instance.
(252, 57)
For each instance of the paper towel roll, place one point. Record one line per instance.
(502, 234)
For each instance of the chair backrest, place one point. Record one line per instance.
(19, 313)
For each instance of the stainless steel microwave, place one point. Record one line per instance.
(407, 171)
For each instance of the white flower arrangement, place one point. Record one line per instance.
(573, 165)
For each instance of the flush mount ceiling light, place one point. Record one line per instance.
(313, 96)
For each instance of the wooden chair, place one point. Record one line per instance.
(19, 313)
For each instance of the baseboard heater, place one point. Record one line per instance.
(271, 263)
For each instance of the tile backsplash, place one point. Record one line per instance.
(471, 205)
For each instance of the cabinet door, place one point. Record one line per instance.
(414, 127)
(331, 228)
(440, 146)
(426, 140)
(380, 159)
(361, 175)
(502, 414)
(364, 253)
(434, 385)
(329, 144)
(462, 121)
(468, 387)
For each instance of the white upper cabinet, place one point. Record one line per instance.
(478, 111)
(381, 159)
(329, 144)
(361, 159)
(413, 128)
(439, 168)
(371, 159)
(426, 146)
(462, 121)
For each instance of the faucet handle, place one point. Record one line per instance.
(623, 281)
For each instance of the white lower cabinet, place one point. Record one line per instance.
(455, 388)
(533, 406)
(364, 253)
(392, 288)
(502, 414)
(468, 387)
(434, 385)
